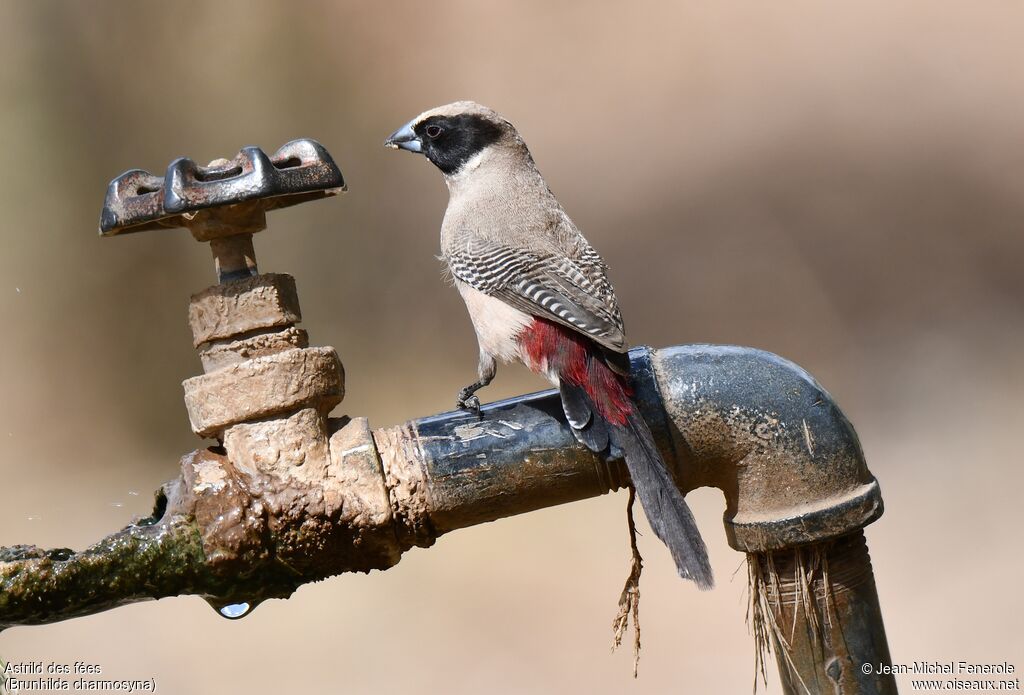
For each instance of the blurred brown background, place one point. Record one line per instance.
(840, 184)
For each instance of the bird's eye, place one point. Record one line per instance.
(434, 130)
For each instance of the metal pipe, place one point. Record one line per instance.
(453, 470)
(754, 425)
(745, 421)
(825, 622)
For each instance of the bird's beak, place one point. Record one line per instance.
(404, 139)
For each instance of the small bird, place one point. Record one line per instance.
(537, 292)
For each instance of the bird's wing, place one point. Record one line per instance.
(572, 291)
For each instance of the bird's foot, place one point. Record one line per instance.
(467, 401)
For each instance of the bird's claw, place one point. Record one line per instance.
(469, 402)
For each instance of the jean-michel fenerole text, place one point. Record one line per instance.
(956, 668)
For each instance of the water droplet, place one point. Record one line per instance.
(235, 611)
(133, 493)
(34, 518)
(117, 504)
(18, 290)
(232, 611)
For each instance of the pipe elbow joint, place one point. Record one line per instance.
(762, 430)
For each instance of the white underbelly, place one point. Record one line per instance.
(497, 324)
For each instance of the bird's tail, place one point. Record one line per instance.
(598, 402)
(601, 413)
(663, 503)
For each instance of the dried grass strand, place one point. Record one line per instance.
(629, 599)
(765, 592)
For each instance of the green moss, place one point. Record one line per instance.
(139, 562)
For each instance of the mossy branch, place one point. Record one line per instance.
(214, 533)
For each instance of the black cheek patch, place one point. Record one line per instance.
(462, 138)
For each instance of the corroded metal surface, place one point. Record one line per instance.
(466, 471)
(750, 423)
(232, 309)
(274, 384)
(770, 437)
(406, 482)
(300, 170)
(222, 353)
(357, 483)
(223, 203)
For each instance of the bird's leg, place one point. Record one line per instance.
(466, 400)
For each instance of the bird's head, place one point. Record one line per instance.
(452, 135)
